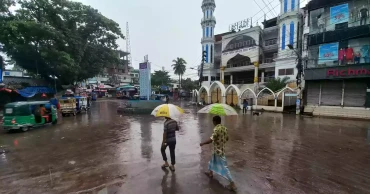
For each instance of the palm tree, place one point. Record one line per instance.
(277, 84)
(179, 68)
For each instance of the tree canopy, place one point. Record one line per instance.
(59, 38)
(189, 85)
(160, 78)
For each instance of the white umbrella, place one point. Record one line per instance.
(167, 110)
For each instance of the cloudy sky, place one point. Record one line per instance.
(166, 29)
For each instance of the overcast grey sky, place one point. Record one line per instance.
(166, 29)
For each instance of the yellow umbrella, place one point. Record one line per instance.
(167, 110)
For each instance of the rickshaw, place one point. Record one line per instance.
(68, 106)
(81, 103)
(26, 115)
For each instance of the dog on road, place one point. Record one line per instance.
(258, 113)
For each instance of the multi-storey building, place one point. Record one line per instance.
(337, 71)
(115, 74)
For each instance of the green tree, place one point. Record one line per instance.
(160, 78)
(59, 38)
(277, 83)
(189, 85)
(179, 67)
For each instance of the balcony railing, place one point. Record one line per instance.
(212, 18)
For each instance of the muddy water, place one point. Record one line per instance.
(103, 152)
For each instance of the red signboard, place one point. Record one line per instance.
(347, 72)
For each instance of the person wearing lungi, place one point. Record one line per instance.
(218, 162)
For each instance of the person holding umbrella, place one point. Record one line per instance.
(218, 163)
(169, 139)
(168, 111)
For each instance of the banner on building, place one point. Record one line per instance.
(145, 85)
(339, 14)
(328, 53)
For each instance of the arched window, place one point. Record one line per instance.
(211, 13)
(211, 35)
(293, 5)
(207, 53)
(207, 13)
(283, 30)
(211, 53)
(291, 33)
(207, 31)
(285, 6)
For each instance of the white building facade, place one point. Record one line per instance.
(290, 33)
(208, 24)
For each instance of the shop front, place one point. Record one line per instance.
(338, 87)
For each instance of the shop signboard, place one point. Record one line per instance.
(339, 14)
(339, 72)
(145, 85)
(328, 53)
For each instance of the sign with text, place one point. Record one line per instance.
(351, 72)
(339, 14)
(240, 50)
(145, 85)
(239, 25)
(339, 72)
(328, 53)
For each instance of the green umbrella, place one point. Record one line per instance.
(218, 109)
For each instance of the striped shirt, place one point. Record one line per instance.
(170, 127)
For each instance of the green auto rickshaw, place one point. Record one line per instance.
(26, 115)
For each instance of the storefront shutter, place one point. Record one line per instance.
(354, 94)
(313, 93)
(331, 93)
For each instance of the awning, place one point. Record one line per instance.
(29, 92)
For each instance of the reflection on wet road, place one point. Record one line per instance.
(103, 152)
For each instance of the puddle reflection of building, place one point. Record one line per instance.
(146, 139)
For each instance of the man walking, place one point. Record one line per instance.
(245, 106)
(218, 162)
(169, 139)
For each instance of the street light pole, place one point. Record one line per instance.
(299, 79)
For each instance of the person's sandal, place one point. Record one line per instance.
(165, 166)
(231, 188)
(209, 175)
(172, 168)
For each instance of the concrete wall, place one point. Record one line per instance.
(286, 64)
(147, 104)
(345, 112)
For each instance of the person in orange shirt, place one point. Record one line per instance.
(42, 110)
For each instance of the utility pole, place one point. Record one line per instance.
(204, 56)
(299, 103)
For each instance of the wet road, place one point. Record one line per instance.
(102, 152)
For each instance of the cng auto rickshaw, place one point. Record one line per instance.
(73, 105)
(68, 106)
(26, 115)
(81, 103)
